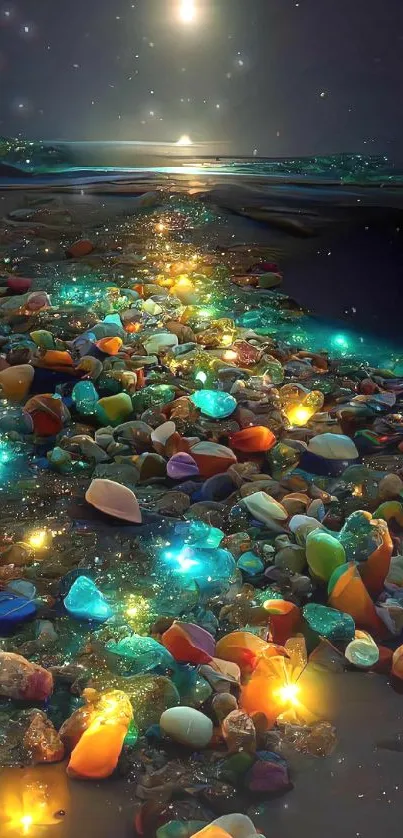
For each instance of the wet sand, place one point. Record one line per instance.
(357, 792)
(350, 270)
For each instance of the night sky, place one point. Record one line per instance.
(279, 76)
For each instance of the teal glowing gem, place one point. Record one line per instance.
(113, 318)
(193, 689)
(85, 602)
(211, 568)
(199, 534)
(358, 537)
(135, 655)
(6, 451)
(250, 563)
(85, 397)
(329, 623)
(214, 403)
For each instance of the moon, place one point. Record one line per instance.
(184, 140)
(187, 11)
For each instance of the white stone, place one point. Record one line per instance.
(160, 342)
(333, 447)
(264, 508)
(187, 726)
(151, 307)
(163, 433)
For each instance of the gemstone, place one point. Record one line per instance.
(214, 403)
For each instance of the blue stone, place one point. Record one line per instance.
(135, 655)
(14, 610)
(85, 602)
(217, 488)
(214, 403)
(250, 563)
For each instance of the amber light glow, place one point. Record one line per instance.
(289, 693)
(26, 823)
(38, 539)
(299, 415)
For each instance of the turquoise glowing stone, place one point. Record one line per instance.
(85, 397)
(329, 623)
(135, 655)
(250, 563)
(214, 403)
(210, 568)
(199, 534)
(85, 602)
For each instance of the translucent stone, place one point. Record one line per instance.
(250, 563)
(16, 381)
(264, 508)
(333, 447)
(85, 397)
(199, 534)
(329, 623)
(214, 403)
(193, 689)
(85, 602)
(210, 568)
(281, 459)
(362, 652)
(273, 370)
(135, 654)
(358, 536)
(324, 553)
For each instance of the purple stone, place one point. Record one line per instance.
(268, 775)
(200, 637)
(182, 466)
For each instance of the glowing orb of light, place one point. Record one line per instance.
(26, 823)
(289, 693)
(187, 11)
(38, 539)
(300, 416)
(184, 141)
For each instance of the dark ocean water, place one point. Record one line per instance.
(101, 160)
(351, 271)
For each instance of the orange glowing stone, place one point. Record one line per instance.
(110, 346)
(251, 440)
(350, 595)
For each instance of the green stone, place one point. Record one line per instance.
(282, 459)
(234, 767)
(324, 554)
(132, 735)
(178, 829)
